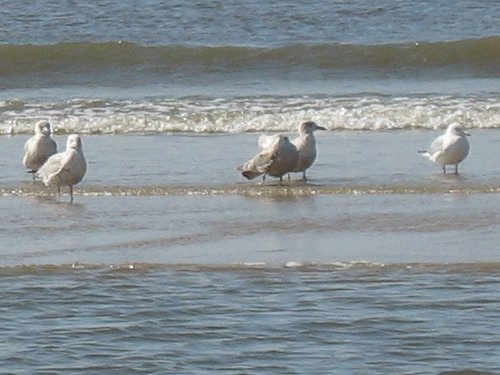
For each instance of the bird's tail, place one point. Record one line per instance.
(424, 153)
(33, 174)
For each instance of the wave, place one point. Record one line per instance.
(125, 63)
(249, 114)
(358, 266)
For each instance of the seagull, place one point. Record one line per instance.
(65, 168)
(306, 146)
(450, 148)
(39, 147)
(276, 160)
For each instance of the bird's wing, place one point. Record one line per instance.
(449, 142)
(437, 144)
(28, 145)
(259, 164)
(52, 166)
(263, 160)
(268, 141)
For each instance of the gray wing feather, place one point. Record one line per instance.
(259, 164)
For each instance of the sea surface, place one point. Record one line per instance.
(169, 261)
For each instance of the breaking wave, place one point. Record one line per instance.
(249, 114)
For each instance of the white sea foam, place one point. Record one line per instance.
(292, 264)
(251, 114)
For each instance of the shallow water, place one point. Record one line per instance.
(166, 265)
(376, 160)
(273, 230)
(156, 320)
(170, 262)
(370, 196)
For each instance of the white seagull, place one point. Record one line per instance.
(65, 168)
(450, 148)
(39, 148)
(276, 160)
(306, 146)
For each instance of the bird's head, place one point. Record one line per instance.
(309, 127)
(457, 129)
(74, 142)
(43, 127)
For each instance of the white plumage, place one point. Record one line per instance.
(65, 168)
(267, 141)
(306, 147)
(39, 147)
(276, 160)
(451, 148)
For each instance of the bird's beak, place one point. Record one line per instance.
(320, 127)
(467, 134)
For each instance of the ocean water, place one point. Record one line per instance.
(171, 262)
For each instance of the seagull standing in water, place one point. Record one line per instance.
(65, 168)
(39, 147)
(306, 146)
(450, 148)
(279, 158)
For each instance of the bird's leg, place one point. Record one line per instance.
(71, 193)
(444, 168)
(281, 180)
(304, 176)
(456, 169)
(58, 192)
